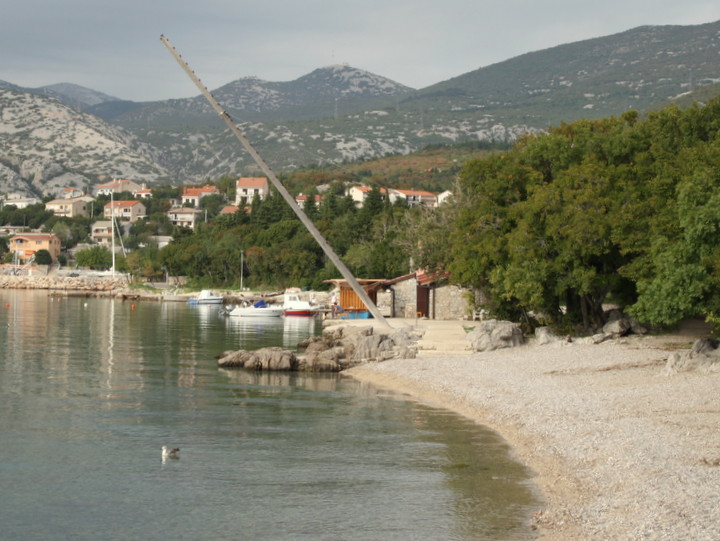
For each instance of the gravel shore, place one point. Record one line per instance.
(619, 450)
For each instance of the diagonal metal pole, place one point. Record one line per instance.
(359, 291)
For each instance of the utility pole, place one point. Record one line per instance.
(359, 291)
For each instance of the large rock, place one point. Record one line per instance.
(618, 324)
(704, 356)
(264, 359)
(493, 334)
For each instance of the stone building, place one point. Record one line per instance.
(425, 295)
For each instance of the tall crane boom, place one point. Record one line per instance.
(359, 291)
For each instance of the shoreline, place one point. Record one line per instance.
(617, 450)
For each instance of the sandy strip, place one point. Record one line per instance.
(620, 451)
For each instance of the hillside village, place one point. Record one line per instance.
(128, 204)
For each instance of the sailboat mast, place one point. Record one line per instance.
(354, 284)
(112, 228)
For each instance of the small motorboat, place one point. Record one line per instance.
(294, 306)
(258, 309)
(206, 296)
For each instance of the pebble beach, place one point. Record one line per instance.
(618, 449)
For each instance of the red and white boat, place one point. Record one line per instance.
(293, 305)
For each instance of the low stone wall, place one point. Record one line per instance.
(64, 283)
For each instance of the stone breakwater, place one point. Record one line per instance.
(85, 284)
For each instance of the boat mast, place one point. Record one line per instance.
(359, 291)
(112, 227)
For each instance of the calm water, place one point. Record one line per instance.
(90, 389)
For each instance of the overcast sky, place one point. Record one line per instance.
(114, 46)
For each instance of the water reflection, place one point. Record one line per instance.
(254, 332)
(91, 388)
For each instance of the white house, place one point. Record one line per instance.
(360, 193)
(194, 195)
(117, 186)
(248, 187)
(128, 210)
(184, 217)
(414, 197)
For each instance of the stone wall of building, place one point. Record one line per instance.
(405, 298)
(449, 302)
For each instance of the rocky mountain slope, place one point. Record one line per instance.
(339, 113)
(593, 78)
(46, 146)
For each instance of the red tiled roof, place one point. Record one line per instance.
(196, 192)
(122, 204)
(34, 236)
(251, 182)
(416, 192)
(367, 189)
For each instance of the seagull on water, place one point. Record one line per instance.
(169, 453)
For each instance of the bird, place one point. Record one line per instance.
(169, 453)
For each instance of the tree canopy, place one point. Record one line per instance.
(622, 209)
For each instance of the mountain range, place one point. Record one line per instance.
(64, 133)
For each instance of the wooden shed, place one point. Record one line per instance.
(350, 304)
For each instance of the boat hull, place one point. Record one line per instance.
(207, 297)
(300, 312)
(251, 311)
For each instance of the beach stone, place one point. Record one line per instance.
(704, 356)
(545, 335)
(618, 324)
(493, 334)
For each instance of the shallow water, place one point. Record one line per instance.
(90, 389)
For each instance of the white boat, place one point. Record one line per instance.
(259, 309)
(206, 296)
(294, 306)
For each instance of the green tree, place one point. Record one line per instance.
(97, 257)
(43, 257)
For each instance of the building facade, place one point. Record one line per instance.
(26, 245)
(184, 217)
(117, 186)
(126, 210)
(192, 196)
(246, 188)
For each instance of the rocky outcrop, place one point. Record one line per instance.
(493, 334)
(704, 356)
(264, 359)
(338, 348)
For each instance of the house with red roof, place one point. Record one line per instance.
(144, 193)
(26, 245)
(301, 199)
(246, 188)
(193, 196)
(414, 198)
(360, 193)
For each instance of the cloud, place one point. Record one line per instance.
(114, 47)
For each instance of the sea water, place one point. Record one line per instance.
(90, 389)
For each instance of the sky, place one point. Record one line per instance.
(114, 47)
